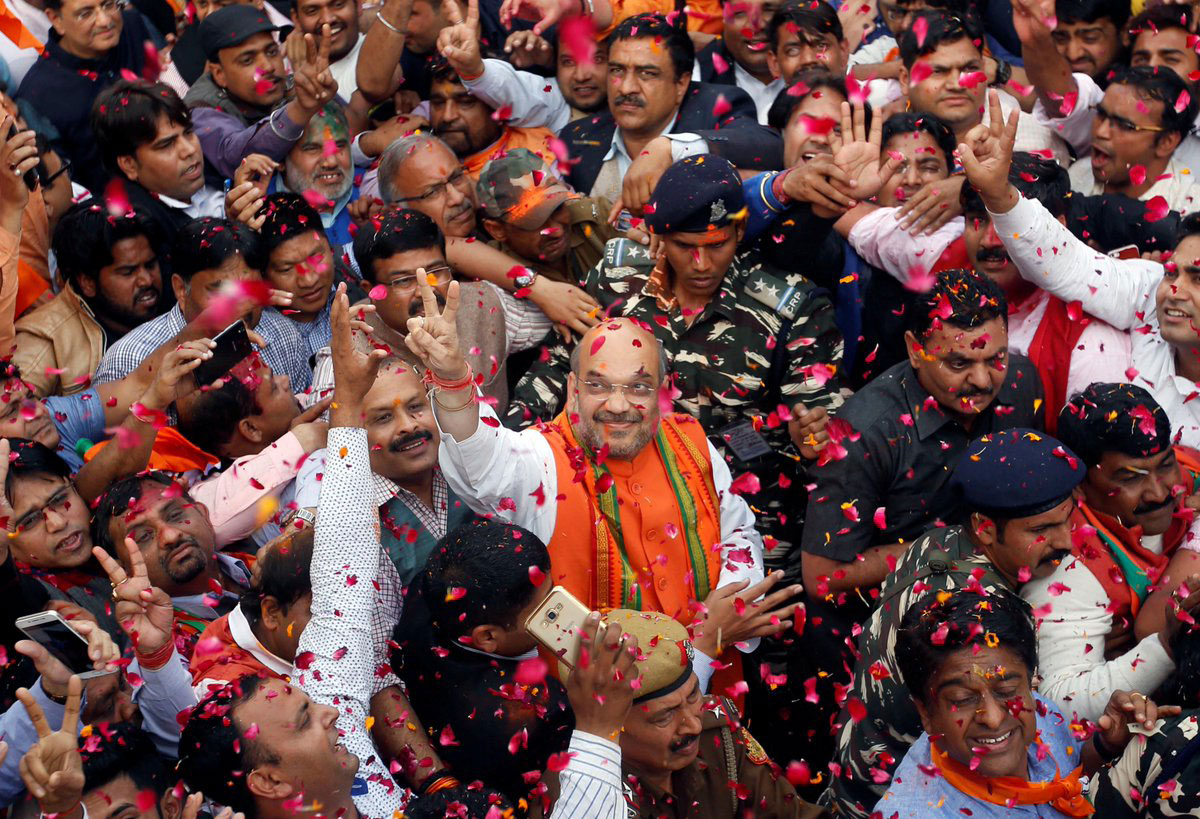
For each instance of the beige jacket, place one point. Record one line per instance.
(61, 335)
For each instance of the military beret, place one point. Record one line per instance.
(1016, 473)
(695, 193)
(665, 651)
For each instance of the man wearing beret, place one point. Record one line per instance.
(681, 753)
(242, 105)
(1015, 487)
(1104, 618)
(536, 219)
(743, 337)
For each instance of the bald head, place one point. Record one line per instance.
(614, 344)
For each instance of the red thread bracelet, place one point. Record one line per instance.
(444, 384)
(155, 661)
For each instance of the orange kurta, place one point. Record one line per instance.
(536, 140)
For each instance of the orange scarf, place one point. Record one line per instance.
(1064, 795)
(171, 453)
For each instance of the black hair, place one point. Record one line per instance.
(1089, 11)
(213, 414)
(396, 232)
(491, 562)
(288, 215)
(1163, 85)
(673, 38)
(207, 243)
(810, 16)
(463, 802)
(85, 236)
(283, 573)
(1107, 417)
(118, 498)
(440, 70)
(808, 82)
(942, 28)
(214, 755)
(1186, 679)
(939, 626)
(961, 298)
(125, 117)
(1161, 18)
(909, 122)
(123, 749)
(1035, 177)
(1188, 226)
(30, 459)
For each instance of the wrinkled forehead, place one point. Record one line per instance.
(426, 163)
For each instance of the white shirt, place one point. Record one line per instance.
(1071, 636)
(762, 93)
(617, 160)
(1176, 186)
(344, 71)
(590, 785)
(497, 471)
(536, 102)
(1118, 291)
(205, 202)
(243, 637)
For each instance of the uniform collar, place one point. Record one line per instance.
(928, 415)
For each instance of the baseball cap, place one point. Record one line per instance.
(518, 189)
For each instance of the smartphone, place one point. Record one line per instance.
(1126, 252)
(558, 624)
(30, 177)
(232, 346)
(55, 634)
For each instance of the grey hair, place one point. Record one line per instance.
(393, 157)
(664, 365)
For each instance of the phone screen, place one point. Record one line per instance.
(64, 643)
(232, 346)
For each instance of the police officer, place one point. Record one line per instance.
(687, 755)
(1017, 485)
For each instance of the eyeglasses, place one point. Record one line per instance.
(455, 179)
(1102, 115)
(108, 7)
(408, 283)
(635, 392)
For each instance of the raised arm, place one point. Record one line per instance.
(1048, 71)
(378, 72)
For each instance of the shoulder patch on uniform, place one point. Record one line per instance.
(754, 751)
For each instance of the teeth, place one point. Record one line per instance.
(995, 741)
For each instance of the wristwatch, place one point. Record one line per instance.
(526, 279)
(299, 514)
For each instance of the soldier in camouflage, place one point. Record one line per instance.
(755, 355)
(534, 217)
(1019, 496)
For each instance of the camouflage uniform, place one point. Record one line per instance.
(942, 559)
(766, 338)
(588, 234)
(1157, 776)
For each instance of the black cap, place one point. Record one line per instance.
(1016, 473)
(695, 193)
(231, 26)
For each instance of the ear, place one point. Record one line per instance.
(265, 782)
(496, 228)
(178, 287)
(248, 428)
(88, 287)
(270, 612)
(923, 712)
(1166, 144)
(55, 20)
(170, 806)
(129, 166)
(740, 231)
(984, 529)
(218, 73)
(916, 352)
(773, 62)
(903, 80)
(681, 87)
(486, 638)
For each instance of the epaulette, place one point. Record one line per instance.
(627, 253)
(775, 293)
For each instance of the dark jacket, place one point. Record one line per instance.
(63, 87)
(736, 135)
(166, 219)
(710, 72)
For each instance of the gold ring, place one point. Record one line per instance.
(117, 586)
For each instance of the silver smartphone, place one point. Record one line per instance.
(67, 645)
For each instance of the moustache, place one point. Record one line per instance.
(630, 99)
(1056, 556)
(683, 742)
(606, 417)
(417, 308)
(1146, 509)
(416, 437)
(992, 254)
(178, 547)
(973, 392)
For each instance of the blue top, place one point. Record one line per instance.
(914, 793)
(77, 417)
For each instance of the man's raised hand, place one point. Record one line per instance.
(353, 370)
(860, 157)
(601, 688)
(433, 338)
(52, 769)
(459, 41)
(143, 610)
(987, 163)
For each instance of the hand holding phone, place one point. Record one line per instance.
(232, 345)
(558, 624)
(62, 649)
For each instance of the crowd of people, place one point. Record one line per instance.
(823, 375)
